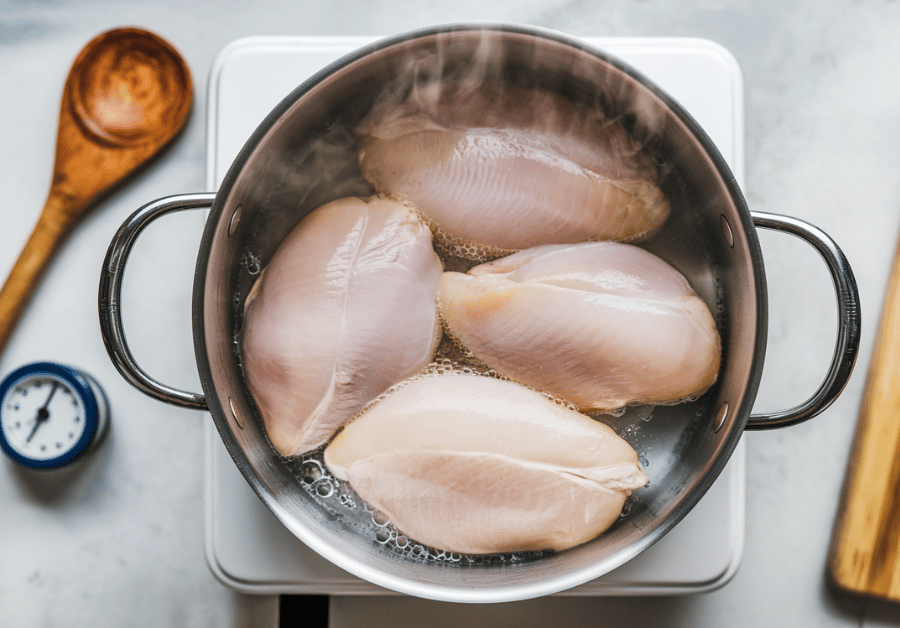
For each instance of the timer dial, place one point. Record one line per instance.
(50, 414)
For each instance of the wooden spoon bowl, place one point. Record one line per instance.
(128, 94)
(129, 88)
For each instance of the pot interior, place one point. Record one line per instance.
(303, 155)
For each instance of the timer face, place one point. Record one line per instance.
(43, 418)
(50, 414)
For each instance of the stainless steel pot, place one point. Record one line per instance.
(277, 179)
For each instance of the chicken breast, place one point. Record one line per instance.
(345, 309)
(600, 324)
(509, 168)
(477, 465)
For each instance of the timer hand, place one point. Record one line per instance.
(43, 414)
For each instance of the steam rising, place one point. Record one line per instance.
(481, 65)
(492, 159)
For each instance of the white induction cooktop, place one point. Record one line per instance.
(247, 548)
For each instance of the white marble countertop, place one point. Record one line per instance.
(119, 541)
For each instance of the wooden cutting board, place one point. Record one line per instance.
(865, 551)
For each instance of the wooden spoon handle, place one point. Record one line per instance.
(48, 233)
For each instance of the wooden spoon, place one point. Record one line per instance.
(127, 95)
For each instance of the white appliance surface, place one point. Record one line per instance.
(700, 554)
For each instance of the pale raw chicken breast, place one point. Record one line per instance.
(599, 324)
(509, 168)
(345, 309)
(478, 465)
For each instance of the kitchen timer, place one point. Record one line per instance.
(50, 415)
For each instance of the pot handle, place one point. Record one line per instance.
(848, 322)
(110, 302)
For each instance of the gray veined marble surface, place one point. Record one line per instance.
(119, 542)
